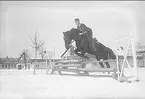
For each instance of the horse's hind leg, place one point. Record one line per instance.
(101, 64)
(106, 58)
(107, 64)
(98, 59)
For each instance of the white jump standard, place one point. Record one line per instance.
(134, 72)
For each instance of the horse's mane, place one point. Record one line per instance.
(72, 33)
(69, 31)
(75, 29)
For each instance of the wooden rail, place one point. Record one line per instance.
(97, 69)
(77, 64)
(68, 65)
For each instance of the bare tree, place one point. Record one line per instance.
(36, 44)
(41, 52)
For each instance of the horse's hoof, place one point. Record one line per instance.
(137, 80)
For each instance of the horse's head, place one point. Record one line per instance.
(69, 36)
(67, 39)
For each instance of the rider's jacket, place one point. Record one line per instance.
(83, 28)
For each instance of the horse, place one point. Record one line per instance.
(82, 44)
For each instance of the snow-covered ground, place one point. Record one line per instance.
(22, 84)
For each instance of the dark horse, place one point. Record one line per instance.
(82, 44)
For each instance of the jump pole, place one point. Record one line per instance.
(46, 65)
(136, 74)
(117, 62)
(124, 54)
(135, 68)
(125, 57)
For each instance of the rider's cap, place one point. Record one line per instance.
(77, 19)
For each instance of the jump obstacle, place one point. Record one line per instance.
(78, 66)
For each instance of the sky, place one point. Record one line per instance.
(109, 20)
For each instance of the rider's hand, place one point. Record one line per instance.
(80, 33)
(85, 32)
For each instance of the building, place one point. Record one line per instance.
(8, 63)
(141, 58)
(13, 63)
(16, 63)
(24, 61)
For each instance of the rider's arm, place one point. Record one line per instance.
(84, 28)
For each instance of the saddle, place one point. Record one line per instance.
(92, 41)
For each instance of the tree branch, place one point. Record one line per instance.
(32, 41)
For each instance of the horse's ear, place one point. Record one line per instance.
(72, 28)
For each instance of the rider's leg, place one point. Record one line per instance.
(92, 44)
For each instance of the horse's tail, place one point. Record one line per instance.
(111, 53)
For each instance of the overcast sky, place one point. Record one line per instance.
(109, 21)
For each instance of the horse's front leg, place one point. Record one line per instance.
(76, 51)
(83, 54)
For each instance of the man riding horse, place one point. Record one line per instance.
(86, 31)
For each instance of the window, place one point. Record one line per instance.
(9, 66)
(2, 66)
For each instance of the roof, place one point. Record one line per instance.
(42, 60)
(8, 60)
(24, 55)
(15, 60)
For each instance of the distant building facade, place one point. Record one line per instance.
(13, 63)
(8, 63)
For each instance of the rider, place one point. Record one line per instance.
(87, 31)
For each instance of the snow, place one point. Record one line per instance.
(22, 84)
